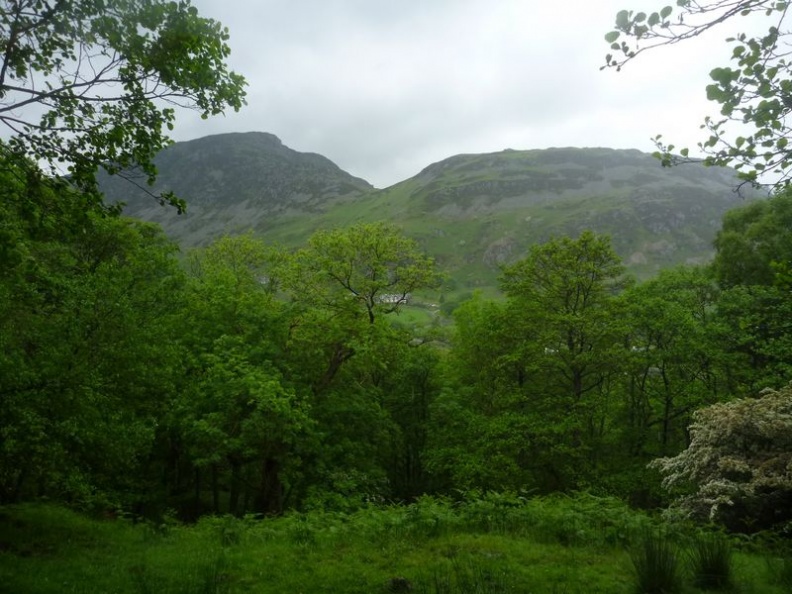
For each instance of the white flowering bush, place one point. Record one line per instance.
(738, 466)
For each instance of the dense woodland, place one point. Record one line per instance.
(247, 417)
(244, 378)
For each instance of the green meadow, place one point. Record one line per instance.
(480, 544)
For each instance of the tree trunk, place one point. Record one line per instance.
(215, 490)
(270, 496)
(236, 484)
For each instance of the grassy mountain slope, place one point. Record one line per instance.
(472, 212)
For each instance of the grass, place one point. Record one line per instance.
(780, 569)
(712, 562)
(484, 544)
(656, 563)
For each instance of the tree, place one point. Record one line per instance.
(755, 332)
(672, 365)
(482, 417)
(410, 388)
(345, 281)
(738, 466)
(88, 354)
(529, 401)
(240, 417)
(345, 286)
(564, 288)
(564, 294)
(754, 245)
(756, 90)
(752, 264)
(92, 84)
(372, 266)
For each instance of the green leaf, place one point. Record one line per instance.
(612, 36)
(666, 12)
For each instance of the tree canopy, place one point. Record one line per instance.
(754, 247)
(93, 84)
(754, 90)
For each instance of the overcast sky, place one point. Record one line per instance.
(385, 88)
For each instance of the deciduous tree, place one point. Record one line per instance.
(737, 468)
(755, 90)
(89, 84)
(243, 421)
(672, 361)
(88, 357)
(529, 402)
(344, 282)
(754, 246)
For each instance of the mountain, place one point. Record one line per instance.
(477, 211)
(472, 212)
(233, 182)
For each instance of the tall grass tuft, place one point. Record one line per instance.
(712, 562)
(656, 565)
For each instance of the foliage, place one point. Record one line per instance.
(673, 363)
(755, 90)
(712, 560)
(531, 402)
(561, 308)
(737, 463)
(754, 332)
(341, 286)
(754, 246)
(752, 266)
(409, 389)
(48, 549)
(373, 267)
(238, 412)
(87, 351)
(92, 83)
(656, 564)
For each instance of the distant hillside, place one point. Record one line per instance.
(233, 182)
(472, 212)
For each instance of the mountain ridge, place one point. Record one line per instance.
(473, 212)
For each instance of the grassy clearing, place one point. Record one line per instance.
(492, 544)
